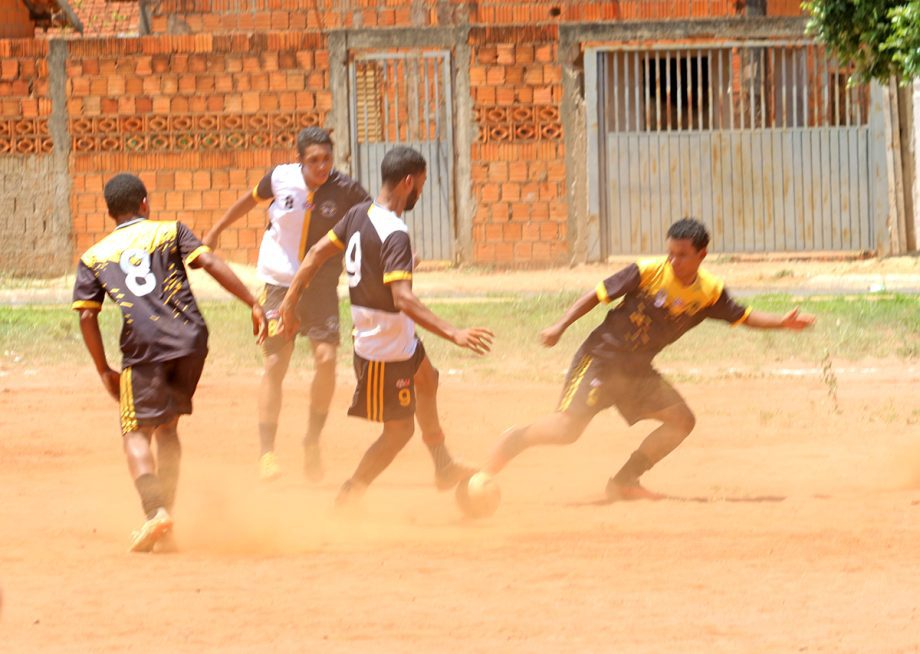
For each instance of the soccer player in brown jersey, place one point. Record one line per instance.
(141, 266)
(390, 361)
(306, 199)
(663, 298)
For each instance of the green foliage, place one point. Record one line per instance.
(879, 37)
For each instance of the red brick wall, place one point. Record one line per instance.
(199, 118)
(517, 162)
(24, 102)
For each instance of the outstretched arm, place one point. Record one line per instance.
(551, 335)
(221, 272)
(793, 320)
(242, 206)
(322, 251)
(477, 339)
(92, 337)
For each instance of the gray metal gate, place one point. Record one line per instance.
(766, 144)
(405, 99)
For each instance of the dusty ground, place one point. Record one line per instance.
(799, 530)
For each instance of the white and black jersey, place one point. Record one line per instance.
(298, 218)
(377, 252)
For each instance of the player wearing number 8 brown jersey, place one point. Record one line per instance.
(141, 267)
(390, 361)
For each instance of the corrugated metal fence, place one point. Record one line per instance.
(405, 99)
(766, 144)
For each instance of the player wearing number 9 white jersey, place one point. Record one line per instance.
(141, 267)
(389, 359)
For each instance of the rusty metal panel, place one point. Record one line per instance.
(765, 143)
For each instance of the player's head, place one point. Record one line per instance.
(403, 171)
(126, 196)
(314, 149)
(687, 243)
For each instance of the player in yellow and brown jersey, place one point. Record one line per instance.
(164, 340)
(663, 299)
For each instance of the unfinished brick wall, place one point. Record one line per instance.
(517, 162)
(199, 119)
(34, 233)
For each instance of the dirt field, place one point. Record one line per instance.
(798, 530)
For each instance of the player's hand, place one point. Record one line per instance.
(550, 336)
(288, 322)
(797, 321)
(259, 323)
(477, 339)
(112, 382)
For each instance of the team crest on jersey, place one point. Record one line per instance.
(327, 209)
(403, 383)
(661, 299)
(289, 202)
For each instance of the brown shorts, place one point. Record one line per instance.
(152, 394)
(386, 389)
(318, 312)
(593, 385)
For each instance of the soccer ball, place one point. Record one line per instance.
(478, 496)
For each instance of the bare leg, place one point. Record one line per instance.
(448, 472)
(275, 368)
(560, 428)
(396, 433)
(322, 388)
(677, 422)
(169, 454)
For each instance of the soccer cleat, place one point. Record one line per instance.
(269, 470)
(450, 474)
(617, 492)
(151, 531)
(313, 463)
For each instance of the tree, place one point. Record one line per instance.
(880, 38)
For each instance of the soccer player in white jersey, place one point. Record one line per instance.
(307, 198)
(390, 361)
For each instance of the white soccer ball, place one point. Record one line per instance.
(478, 496)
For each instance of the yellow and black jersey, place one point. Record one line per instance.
(141, 267)
(656, 310)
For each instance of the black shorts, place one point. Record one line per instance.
(318, 311)
(593, 385)
(386, 389)
(152, 394)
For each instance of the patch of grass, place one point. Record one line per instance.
(853, 328)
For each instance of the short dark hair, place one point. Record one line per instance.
(124, 194)
(400, 162)
(690, 229)
(312, 136)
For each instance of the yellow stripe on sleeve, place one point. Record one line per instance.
(256, 196)
(396, 275)
(743, 318)
(601, 291)
(335, 240)
(86, 304)
(197, 252)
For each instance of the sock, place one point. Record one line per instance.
(267, 433)
(315, 427)
(637, 464)
(440, 455)
(151, 491)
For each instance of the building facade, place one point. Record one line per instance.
(555, 132)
